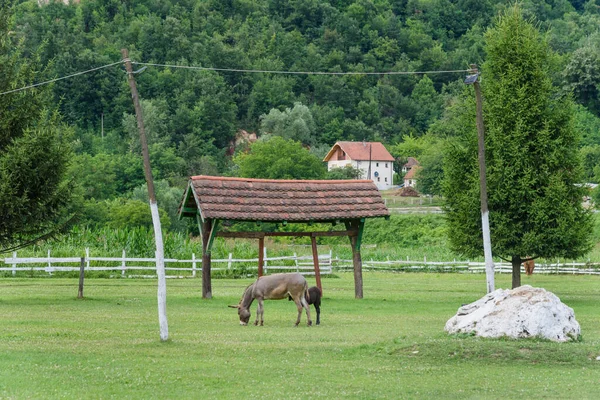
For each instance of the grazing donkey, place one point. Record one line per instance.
(314, 298)
(529, 265)
(274, 287)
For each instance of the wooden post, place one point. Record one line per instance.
(485, 221)
(123, 263)
(313, 241)
(193, 265)
(206, 260)
(81, 276)
(261, 255)
(159, 254)
(356, 258)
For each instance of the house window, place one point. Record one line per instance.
(378, 179)
(377, 164)
(385, 179)
(386, 165)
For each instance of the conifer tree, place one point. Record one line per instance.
(533, 169)
(34, 152)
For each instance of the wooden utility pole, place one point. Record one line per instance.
(485, 220)
(160, 257)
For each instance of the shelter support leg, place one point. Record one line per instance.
(261, 255)
(355, 241)
(206, 228)
(313, 241)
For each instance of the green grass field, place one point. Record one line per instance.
(389, 345)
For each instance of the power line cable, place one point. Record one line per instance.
(61, 78)
(231, 70)
(299, 72)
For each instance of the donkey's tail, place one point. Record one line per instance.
(306, 293)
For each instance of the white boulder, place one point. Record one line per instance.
(518, 313)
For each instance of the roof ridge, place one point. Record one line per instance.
(322, 181)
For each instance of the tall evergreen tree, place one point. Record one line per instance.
(34, 154)
(531, 154)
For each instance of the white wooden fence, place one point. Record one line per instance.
(558, 267)
(131, 266)
(126, 265)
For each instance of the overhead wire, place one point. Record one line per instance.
(61, 78)
(299, 72)
(231, 70)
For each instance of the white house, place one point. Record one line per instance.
(410, 177)
(371, 158)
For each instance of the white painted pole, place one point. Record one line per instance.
(160, 261)
(160, 272)
(485, 222)
(193, 265)
(123, 261)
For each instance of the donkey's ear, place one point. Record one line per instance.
(236, 306)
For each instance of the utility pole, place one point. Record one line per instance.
(485, 220)
(160, 257)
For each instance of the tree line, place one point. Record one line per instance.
(193, 116)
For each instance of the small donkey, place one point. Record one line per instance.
(274, 287)
(314, 298)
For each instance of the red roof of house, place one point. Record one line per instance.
(412, 172)
(242, 199)
(361, 151)
(411, 162)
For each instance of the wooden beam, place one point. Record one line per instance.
(356, 257)
(261, 255)
(205, 229)
(258, 235)
(315, 254)
(213, 231)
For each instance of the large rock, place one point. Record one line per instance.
(519, 313)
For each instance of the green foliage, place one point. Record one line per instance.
(531, 156)
(404, 231)
(588, 126)
(292, 124)
(582, 77)
(345, 172)
(168, 198)
(35, 192)
(192, 116)
(277, 158)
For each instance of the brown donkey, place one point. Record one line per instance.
(274, 287)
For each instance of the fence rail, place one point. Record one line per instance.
(130, 266)
(123, 264)
(586, 268)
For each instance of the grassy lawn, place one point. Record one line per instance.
(389, 345)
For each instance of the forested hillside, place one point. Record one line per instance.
(192, 116)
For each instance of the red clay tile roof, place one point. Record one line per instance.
(412, 172)
(411, 162)
(242, 199)
(359, 151)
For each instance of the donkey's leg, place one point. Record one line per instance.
(259, 313)
(318, 308)
(304, 304)
(299, 307)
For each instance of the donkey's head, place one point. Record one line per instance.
(244, 305)
(244, 314)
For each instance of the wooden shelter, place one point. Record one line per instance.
(213, 200)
